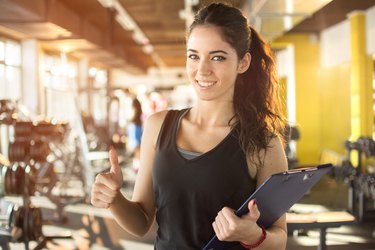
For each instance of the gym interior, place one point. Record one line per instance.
(69, 70)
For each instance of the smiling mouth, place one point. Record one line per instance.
(204, 84)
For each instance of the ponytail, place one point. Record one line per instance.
(256, 101)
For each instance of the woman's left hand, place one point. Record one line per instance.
(229, 227)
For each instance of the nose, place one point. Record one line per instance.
(204, 67)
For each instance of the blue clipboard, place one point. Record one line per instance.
(275, 197)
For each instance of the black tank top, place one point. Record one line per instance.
(190, 193)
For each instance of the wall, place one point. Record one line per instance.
(370, 31)
(334, 98)
(334, 83)
(325, 85)
(284, 60)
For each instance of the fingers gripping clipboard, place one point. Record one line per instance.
(275, 197)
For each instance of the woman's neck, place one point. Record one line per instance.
(211, 114)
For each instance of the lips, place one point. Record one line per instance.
(205, 84)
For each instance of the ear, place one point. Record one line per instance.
(244, 63)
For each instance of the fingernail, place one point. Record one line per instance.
(255, 202)
(111, 147)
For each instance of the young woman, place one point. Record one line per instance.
(201, 163)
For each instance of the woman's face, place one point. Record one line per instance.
(212, 64)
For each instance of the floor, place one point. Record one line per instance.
(333, 195)
(92, 228)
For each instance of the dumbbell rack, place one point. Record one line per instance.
(7, 110)
(361, 184)
(29, 147)
(42, 146)
(27, 213)
(31, 217)
(25, 220)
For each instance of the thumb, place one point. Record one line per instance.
(253, 209)
(113, 158)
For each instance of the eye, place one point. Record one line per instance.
(218, 58)
(193, 57)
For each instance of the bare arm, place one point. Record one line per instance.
(137, 215)
(275, 161)
(229, 227)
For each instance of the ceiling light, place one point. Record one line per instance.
(148, 49)
(125, 22)
(123, 18)
(139, 37)
(106, 3)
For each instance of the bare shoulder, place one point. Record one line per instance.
(156, 118)
(275, 157)
(153, 126)
(274, 160)
(275, 145)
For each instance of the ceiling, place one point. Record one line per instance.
(86, 28)
(334, 12)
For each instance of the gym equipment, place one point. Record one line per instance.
(361, 183)
(319, 220)
(24, 221)
(53, 159)
(8, 109)
(291, 135)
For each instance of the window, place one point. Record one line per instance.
(99, 81)
(59, 77)
(10, 69)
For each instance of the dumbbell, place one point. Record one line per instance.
(24, 150)
(46, 128)
(18, 151)
(2, 180)
(12, 180)
(18, 179)
(26, 223)
(23, 129)
(367, 145)
(39, 150)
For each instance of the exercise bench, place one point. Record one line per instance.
(319, 220)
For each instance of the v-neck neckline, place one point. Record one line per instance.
(203, 154)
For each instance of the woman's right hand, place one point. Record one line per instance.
(107, 185)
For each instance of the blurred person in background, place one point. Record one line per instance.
(199, 164)
(134, 133)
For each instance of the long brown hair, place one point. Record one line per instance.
(256, 102)
(137, 117)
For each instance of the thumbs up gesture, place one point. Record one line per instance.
(107, 185)
(115, 170)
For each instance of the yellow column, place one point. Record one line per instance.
(360, 82)
(307, 105)
(360, 78)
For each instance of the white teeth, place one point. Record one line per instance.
(205, 84)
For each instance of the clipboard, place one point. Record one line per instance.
(275, 197)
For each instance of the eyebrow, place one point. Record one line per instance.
(211, 52)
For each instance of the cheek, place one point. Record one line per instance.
(228, 73)
(190, 70)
